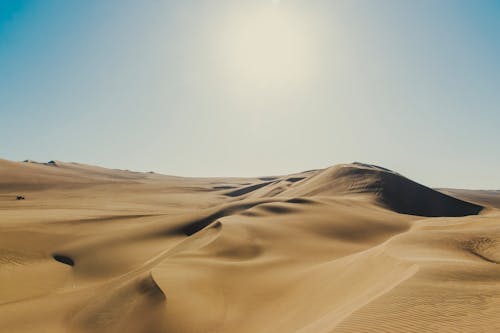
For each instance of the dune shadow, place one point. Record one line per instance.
(201, 223)
(408, 197)
(150, 288)
(247, 189)
(295, 179)
(224, 187)
(300, 201)
(266, 179)
(276, 209)
(63, 259)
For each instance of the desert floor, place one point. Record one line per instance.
(351, 248)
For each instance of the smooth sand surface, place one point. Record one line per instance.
(351, 248)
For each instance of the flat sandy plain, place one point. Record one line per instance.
(351, 248)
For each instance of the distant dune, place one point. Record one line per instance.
(350, 248)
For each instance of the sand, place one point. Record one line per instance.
(351, 248)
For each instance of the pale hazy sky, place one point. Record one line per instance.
(247, 88)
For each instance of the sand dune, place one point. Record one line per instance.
(351, 248)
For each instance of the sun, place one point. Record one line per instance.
(267, 47)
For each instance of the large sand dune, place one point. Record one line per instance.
(351, 248)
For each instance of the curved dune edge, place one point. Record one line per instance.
(328, 322)
(351, 248)
(391, 189)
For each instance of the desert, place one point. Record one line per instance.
(244, 166)
(350, 248)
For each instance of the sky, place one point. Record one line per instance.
(252, 88)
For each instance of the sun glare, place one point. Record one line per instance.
(269, 47)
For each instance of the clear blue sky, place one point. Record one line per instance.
(225, 88)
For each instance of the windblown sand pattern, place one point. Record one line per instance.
(351, 248)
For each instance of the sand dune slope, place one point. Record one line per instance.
(351, 248)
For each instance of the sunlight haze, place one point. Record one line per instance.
(246, 88)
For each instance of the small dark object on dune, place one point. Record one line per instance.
(20, 197)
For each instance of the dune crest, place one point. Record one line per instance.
(391, 189)
(350, 248)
